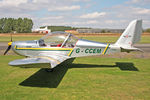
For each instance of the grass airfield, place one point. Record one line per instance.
(89, 78)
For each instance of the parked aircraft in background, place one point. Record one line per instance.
(56, 47)
(43, 30)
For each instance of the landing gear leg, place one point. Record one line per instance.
(49, 70)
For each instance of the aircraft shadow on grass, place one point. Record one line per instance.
(53, 79)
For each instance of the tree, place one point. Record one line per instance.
(103, 31)
(19, 25)
(1, 24)
(148, 30)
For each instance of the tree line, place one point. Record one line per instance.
(63, 28)
(19, 25)
(147, 30)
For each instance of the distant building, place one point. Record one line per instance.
(71, 31)
(100, 30)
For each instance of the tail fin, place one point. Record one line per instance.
(131, 35)
(46, 27)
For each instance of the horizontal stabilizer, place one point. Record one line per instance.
(130, 49)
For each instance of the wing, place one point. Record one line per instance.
(53, 60)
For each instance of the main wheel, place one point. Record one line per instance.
(49, 70)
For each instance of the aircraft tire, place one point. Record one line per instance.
(49, 70)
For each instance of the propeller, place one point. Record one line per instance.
(9, 45)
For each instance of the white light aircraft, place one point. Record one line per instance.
(44, 30)
(56, 47)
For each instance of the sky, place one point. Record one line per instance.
(79, 13)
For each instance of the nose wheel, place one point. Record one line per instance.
(49, 70)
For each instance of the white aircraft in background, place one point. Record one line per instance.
(43, 30)
(56, 47)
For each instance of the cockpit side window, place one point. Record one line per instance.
(55, 40)
(63, 40)
(71, 41)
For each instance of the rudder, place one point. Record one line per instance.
(131, 35)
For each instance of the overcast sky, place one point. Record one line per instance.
(79, 13)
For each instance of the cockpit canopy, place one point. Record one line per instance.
(58, 39)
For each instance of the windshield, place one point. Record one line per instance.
(58, 39)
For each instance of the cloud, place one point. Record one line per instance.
(120, 16)
(58, 1)
(141, 10)
(139, 2)
(75, 12)
(114, 17)
(36, 5)
(135, 1)
(92, 22)
(93, 15)
(89, 22)
(130, 12)
(65, 8)
(52, 18)
(12, 2)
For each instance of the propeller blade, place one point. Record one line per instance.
(9, 47)
(9, 44)
(11, 37)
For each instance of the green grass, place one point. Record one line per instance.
(107, 39)
(89, 78)
(113, 39)
(18, 38)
